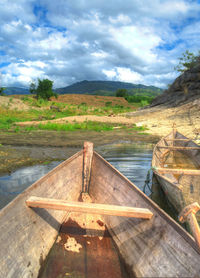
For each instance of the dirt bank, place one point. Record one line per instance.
(13, 157)
(21, 149)
(13, 103)
(125, 120)
(159, 120)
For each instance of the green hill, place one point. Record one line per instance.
(16, 91)
(104, 88)
(107, 88)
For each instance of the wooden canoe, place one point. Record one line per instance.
(176, 165)
(154, 246)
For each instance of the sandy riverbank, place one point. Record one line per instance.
(159, 120)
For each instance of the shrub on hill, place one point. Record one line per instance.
(2, 91)
(187, 61)
(43, 89)
(121, 93)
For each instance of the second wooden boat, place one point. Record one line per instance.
(176, 165)
(148, 241)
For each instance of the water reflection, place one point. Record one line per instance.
(13, 184)
(132, 162)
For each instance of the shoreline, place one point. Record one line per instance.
(26, 149)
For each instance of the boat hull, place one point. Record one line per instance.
(151, 248)
(27, 235)
(158, 247)
(183, 189)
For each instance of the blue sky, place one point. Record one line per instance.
(137, 41)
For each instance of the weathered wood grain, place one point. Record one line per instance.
(156, 247)
(188, 214)
(194, 227)
(26, 235)
(151, 248)
(178, 148)
(87, 162)
(173, 179)
(104, 209)
(178, 171)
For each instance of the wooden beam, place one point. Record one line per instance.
(89, 207)
(188, 214)
(185, 140)
(178, 171)
(178, 148)
(87, 164)
(194, 227)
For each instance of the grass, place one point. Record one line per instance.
(138, 128)
(87, 125)
(47, 110)
(46, 162)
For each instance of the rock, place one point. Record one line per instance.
(185, 88)
(55, 108)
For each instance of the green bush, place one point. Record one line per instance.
(187, 61)
(43, 90)
(121, 93)
(140, 99)
(108, 103)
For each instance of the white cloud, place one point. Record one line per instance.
(110, 74)
(120, 19)
(141, 41)
(100, 54)
(23, 73)
(123, 74)
(127, 75)
(68, 41)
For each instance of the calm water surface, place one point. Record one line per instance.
(133, 162)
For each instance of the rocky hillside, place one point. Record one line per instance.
(185, 89)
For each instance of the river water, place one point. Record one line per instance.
(133, 162)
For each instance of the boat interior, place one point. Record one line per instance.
(51, 241)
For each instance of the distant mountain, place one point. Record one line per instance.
(16, 91)
(104, 88)
(94, 88)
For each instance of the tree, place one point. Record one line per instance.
(187, 61)
(1, 91)
(43, 89)
(121, 93)
(32, 88)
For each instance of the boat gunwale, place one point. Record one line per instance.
(177, 186)
(161, 175)
(188, 238)
(39, 181)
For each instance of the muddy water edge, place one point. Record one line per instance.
(29, 148)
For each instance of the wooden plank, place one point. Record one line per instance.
(173, 134)
(184, 140)
(178, 148)
(87, 162)
(178, 171)
(89, 207)
(194, 227)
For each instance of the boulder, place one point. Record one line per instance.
(185, 88)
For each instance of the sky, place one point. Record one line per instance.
(67, 41)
